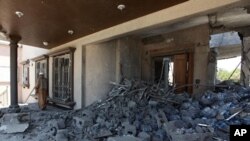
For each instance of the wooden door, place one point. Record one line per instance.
(190, 72)
(183, 72)
(180, 72)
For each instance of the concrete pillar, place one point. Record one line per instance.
(14, 107)
(245, 64)
(211, 69)
(128, 55)
(200, 69)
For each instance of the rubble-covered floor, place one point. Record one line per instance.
(144, 113)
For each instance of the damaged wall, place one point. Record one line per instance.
(109, 62)
(201, 67)
(194, 40)
(100, 69)
(245, 65)
(128, 58)
(95, 65)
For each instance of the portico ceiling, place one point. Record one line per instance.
(60, 21)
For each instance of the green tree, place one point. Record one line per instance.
(224, 75)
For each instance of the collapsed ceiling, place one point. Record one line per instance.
(41, 22)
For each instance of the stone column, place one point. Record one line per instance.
(14, 107)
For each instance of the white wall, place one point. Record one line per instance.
(4, 76)
(29, 52)
(78, 77)
(100, 70)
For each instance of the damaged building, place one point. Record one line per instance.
(124, 70)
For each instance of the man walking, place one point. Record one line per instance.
(42, 91)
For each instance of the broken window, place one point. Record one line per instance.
(228, 55)
(229, 69)
(62, 74)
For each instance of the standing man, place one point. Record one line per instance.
(42, 91)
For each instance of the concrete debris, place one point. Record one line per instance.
(1, 114)
(103, 133)
(81, 123)
(124, 138)
(128, 129)
(144, 136)
(139, 111)
(62, 135)
(14, 122)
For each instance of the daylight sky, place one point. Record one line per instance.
(4, 69)
(229, 64)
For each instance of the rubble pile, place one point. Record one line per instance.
(137, 111)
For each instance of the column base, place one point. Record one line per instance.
(14, 109)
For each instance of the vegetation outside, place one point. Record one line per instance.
(224, 75)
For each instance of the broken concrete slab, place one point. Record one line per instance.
(175, 133)
(82, 122)
(124, 138)
(144, 136)
(14, 122)
(129, 129)
(131, 104)
(62, 135)
(103, 133)
(192, 137)
(160, 118)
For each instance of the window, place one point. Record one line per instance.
(41, 65)
(25, 79)
(62, 84)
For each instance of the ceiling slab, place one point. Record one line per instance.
(50, 20)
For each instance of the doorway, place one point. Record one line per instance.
(175, 71)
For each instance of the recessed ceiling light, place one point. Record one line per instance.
(121, 7)
(45, 43)
(19, 14)
(70, 32)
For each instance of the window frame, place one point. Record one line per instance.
(70, 51)
(40, 59)
(26, 74)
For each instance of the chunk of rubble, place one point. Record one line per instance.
(144, 136)
(14, 122)
(175, 133)
(129, 129)
(136, 111)
(103, 133)
(124, 138)
(82, 122)
(62, 135)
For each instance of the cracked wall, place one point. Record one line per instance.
(245, 65)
